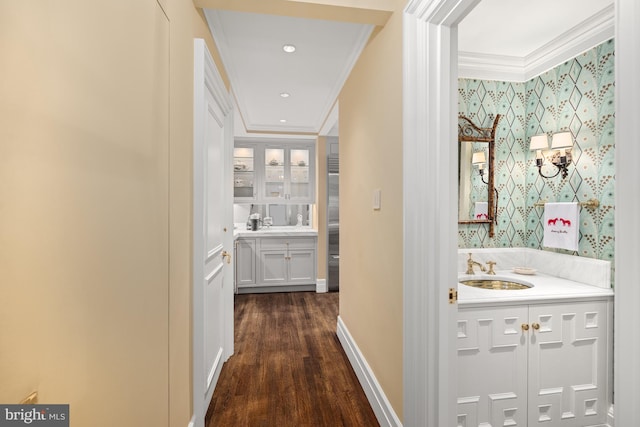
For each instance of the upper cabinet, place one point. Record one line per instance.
(244, 175)
(281, 174)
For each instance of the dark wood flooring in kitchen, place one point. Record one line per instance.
(289, 368)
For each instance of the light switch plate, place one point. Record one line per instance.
(377, 194)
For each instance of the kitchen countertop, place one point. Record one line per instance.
(546, 289)
(276, 231)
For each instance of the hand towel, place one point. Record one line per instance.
(561, 225)
(481, 210)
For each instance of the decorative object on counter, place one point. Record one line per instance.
(299, 218)
(524, 270)
(561, 223)
(561, 142)
(254, 222)
(267, 221)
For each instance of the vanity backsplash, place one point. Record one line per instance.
(589, 271)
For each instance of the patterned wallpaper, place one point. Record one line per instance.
(575, 96)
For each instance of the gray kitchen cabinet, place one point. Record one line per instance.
(245, 262)
(275, 173)
(266, 264)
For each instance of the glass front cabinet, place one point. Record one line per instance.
(270, 173)
(244, 177)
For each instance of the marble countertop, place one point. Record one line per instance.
(546, 289)
(277, 231)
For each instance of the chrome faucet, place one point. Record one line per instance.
(471, 263)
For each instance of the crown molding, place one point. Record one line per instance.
(589, 33)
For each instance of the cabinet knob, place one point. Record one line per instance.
(525, 326)
(535, 326)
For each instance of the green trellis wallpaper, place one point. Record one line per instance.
(576, 96)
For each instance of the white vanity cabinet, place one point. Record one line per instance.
(275, 263)
(534, 365)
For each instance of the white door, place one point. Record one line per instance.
(212, 230)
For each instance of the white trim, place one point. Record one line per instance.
(429, 212)
(192, 422)
(610, 417)
(584, 36)
(627, 248)
(207, 78)
(375, 394)
(331, 121)
(321, 286)
(213, 252)
(214, 372)
(214, 273)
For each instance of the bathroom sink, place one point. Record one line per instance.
(495, 284)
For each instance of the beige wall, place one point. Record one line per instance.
(371, 241)
(95, 108)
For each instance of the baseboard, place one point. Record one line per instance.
(377, 399)
(321, 286)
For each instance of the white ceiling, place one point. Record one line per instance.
(516, 40)
(511, 40)
(259, 70)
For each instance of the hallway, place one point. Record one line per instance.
(289, 368)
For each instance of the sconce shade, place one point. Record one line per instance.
(478, 157)
(561, 140)
(539, 142)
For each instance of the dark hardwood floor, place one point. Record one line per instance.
(289, 368)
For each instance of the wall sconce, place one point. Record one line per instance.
(561, 142)
(479, 159)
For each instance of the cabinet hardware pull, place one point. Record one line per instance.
(525, 326)
(535, 326)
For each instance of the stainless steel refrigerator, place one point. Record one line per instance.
(333, 223)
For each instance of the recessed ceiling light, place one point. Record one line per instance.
(285, 95)
(283, 120)
(289, 48)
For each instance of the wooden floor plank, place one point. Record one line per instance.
(289, 368)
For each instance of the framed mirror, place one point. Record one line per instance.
(477, 196)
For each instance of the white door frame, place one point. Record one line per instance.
(430, 252)
(430, 210)
(207, 78)
(627, 246)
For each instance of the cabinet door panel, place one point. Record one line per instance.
(568, 364)
(273, 267)
(492, 363)
(302, 266)
(245, 262)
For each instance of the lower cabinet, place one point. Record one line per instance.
(245, 262)
(534, 365)
(275, 262)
